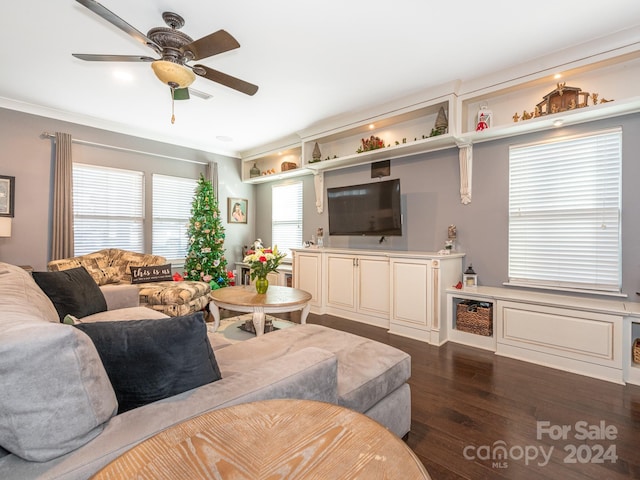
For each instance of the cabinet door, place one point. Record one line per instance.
(307, 276)
(373, 291)
(273, 278)
(409, 293)
(341, 291)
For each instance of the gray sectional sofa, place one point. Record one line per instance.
(59, 412)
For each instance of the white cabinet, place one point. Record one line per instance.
(412, 296)
(401, 291)
(307, 276)
(418, 295)
(357, 287)
(574, 340)
(631, 332)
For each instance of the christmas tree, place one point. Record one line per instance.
(205, 260)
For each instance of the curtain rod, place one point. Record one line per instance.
(122, 149)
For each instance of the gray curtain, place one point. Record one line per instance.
(62, 234)
(212, 176)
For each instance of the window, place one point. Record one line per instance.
(108, 209)
(564, 213)
(286, 217)
(172, 200)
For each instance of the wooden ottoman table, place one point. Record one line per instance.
(271, 439)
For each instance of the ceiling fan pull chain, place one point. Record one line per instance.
(173, 116)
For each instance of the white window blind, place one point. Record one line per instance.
(108, 208)
(286, 219)
(172, 200)
(564, 213)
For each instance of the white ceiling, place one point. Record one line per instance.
(311, 60)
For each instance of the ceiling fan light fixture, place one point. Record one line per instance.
(173, 73)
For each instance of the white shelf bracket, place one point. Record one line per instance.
(318, 183)
(466, 164)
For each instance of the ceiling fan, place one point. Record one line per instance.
(175, 49)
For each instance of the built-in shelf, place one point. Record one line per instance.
(273, 161)
(407, 131)
(412, 147)
(555, 120)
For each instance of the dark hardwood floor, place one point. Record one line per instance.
(467, 400)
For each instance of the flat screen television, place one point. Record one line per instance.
(367, 209)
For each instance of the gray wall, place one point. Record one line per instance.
(27, 156)
(430, 193)
(431, 202)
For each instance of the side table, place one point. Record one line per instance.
(244, 298)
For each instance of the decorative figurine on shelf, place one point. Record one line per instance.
(484, 119)
(315, 156)
(257, 245)
(469, 277)
(320, 237)
(449, 244)
(255, 171)
(442, 124)
(371, 143)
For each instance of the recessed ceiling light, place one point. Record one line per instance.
(557, 76)
(371, 126)
(224, 138)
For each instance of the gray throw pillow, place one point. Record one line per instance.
(55, 393)
(148, 360)
(72, 292)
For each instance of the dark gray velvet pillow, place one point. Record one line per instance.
(72, 292)
(148, 360)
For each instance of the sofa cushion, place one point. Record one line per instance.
(72, 292)
(175, 298)
(148, 360)
(368, 371)
(123, 260)
(20, 298)
(55, 394)
(96, 263)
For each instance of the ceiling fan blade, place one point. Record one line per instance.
(112, 18)
(226, 80)
(213, 44)
(112, 58)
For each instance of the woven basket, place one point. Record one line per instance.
(474, 317)
(636, 350)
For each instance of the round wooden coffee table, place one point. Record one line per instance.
(271, 439)
(244, 298)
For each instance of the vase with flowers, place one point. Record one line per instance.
(263, 261)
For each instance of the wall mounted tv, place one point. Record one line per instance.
(367, 209)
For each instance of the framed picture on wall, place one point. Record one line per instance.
(237, 210)
(7, 195)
